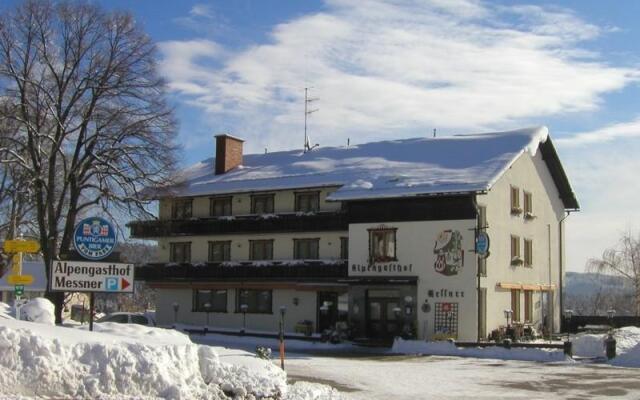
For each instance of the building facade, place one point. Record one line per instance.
(379, 239)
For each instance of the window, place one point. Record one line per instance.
(220, 251)
(528, 205)
(216, 298)
(307, 202)
(382, 245)
(515, 250)
(515, 200)
(305, 248)
(261, 249)
(257, 301)
(180, 252)
(344, 248)
(182, 209)
(482, 217)
(220, 206)
(515, 305)
(528, 306)
(139, 319)
(528, 253)
(262, 204)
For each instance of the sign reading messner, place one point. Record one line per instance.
(83, 276)
(94, 238)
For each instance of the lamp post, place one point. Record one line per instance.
(176, 307)
(568, 314)
(507, 315)
(610, 314)
(610, 341)
(283, 311)
(243, 309)
(207, 308)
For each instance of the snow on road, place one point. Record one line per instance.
(410, 377)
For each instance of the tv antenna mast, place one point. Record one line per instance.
(308, 111)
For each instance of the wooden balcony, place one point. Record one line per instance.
(302, 270)
(279, 223)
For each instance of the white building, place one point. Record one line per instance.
(380, 235)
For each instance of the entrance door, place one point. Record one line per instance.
(384, 314)
(327, 309)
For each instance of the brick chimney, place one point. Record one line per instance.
(228, 153)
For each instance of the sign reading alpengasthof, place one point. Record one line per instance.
(82, 276)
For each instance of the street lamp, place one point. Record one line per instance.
(283, 311)
(507, 315)
(207, 308)
(568, 314)
(243, 309)
(176, 307)
(610, 314)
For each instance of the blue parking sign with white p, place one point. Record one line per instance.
(111, 284)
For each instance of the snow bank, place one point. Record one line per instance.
(38, 310)
(592, 345)
(401, 346)
(40, 360)
(312, 391)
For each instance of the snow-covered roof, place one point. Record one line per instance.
(386, 169)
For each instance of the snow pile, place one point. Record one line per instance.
(6, 311)
(38, 310)
(312, 391)
(40, 360)
(592, 345)
(401, 346)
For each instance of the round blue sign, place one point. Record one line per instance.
(482, 244)
(94, 238)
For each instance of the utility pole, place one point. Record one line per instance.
(307, 111)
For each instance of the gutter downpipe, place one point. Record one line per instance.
(478, 227)
(560, 263)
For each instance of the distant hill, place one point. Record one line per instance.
(589, 293)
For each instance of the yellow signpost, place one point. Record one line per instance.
(21, 246)
(20, 279)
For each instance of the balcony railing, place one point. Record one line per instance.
(279, 223)
(264, 271)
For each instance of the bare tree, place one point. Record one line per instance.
(624, 261)
(93, 128)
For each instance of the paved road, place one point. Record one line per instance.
(409, 377)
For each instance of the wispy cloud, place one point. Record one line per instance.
(622, 130)
(398, 66)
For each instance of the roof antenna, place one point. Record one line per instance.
(434, 132)
(307, 112)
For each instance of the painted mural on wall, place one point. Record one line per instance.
(448, 252)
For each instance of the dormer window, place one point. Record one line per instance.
(262, 204)
(307, 202)
(182, 209)
(515, 200)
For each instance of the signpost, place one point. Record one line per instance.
(21, 246)
(17, 247)
(94, 239)
(83, 276)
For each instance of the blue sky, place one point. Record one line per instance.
(400, 68)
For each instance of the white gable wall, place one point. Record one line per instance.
(532, 175)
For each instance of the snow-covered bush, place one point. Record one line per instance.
(38, 310)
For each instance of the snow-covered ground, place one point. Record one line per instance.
(119, 361)
(435, 377)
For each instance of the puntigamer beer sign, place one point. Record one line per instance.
(94, 238)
